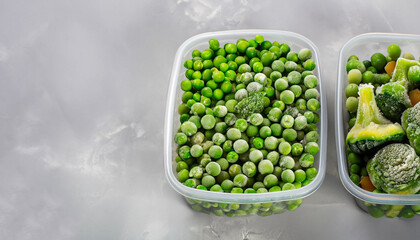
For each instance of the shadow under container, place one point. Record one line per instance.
(376, 204)
(231, 204)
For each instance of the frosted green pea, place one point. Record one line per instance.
(275, 114)
(276, 129)
(265, 132)
(289, 134)
(311, 93)
(290, 66)
(215, 152)
(304, 54)
(262, 190)
(265, 167)
(287, 162)
(312, 136)
(306, 160)
(255, 156)
(184, 152)
(232, 157)
(213, 168)
(216, 188)
(188, 128)
(208, 122)
(297, 149)
(227, 185)
(300, 123)
(311, 173)
(196, 172)
(183, 175)
(224, 164)
(240, 180)
(234, 170)
(252, 131)
(246, 78)
(260, 78)
(312, 148)
(270, 181)
(218, 138)
(181, 138)
(313, 104)
(300, 175)
(241, 94)
(220, 127)
(256, 119)
(233, 134)
(278, 65)
(309, 116)
(208, 181)
(230, 105)
(198, 108)
(287, 96)
(281, 84)
(254, 87)
(297, 90)
(249, 169)
(288, 176)
(294, 78)
(230, 119)
(310, 81)
(271, 143)
(241, 125)
(220, 111)
(287, 121)
(273, 156)
(288, 186)
(196, 150)
(240, 146)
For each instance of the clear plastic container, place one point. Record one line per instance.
(227, 203)
(363, 46)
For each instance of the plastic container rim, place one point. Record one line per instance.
(229, 197)
(356, 191)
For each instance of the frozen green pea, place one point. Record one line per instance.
(312, 148)
(232, 157)
(288, 176)
(196, 150)
(289, 134)
(265, 167)
(306, 160)
(220, 111)
(313, 104)
(270, 143)
(281, 84)
(354, 76)
(275, 114)
(213, 168)
(300, 122)
(352, 104)
(287, 96)
(256, 156)
(290, 66)
(304, 54)
(287, 162)
(198, 108)
(352, 90)
(215, 152)
(273, 156)
(270, 180)
(311, 93)
(294, 78)
(218, 138)
(208, 122)
(227, 185)
(240, 180)
(240, 146)
(249, 168)
(276, 129)
(311, 173)
(256, 119)
(287, 121)
(181, 138)
(288, 186)
(188, 128)
(233, 134)
(300, 175)
(241, 125)
(265, 132)
(208, 181)
(310, 81)
(285, 148)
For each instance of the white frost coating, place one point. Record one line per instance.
(260, 78)
(254, 87)
(241, 94)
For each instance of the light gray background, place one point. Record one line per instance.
(82, 99)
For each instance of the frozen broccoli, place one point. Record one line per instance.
(371, 129)
(392, 98)
(395, 169)
(410, 122)
(249, 105)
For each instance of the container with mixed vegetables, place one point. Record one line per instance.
(384, 128)
(248, 123)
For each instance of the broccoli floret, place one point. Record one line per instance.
(395, 169)
(293, 111)
(371, 130)
(392, 98)
(249, 105)
(410, 121)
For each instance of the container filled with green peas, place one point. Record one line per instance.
(245, 127)
(378, 123)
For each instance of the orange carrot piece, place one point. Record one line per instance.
(389, 67)
(414, 96)
(366, 184)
